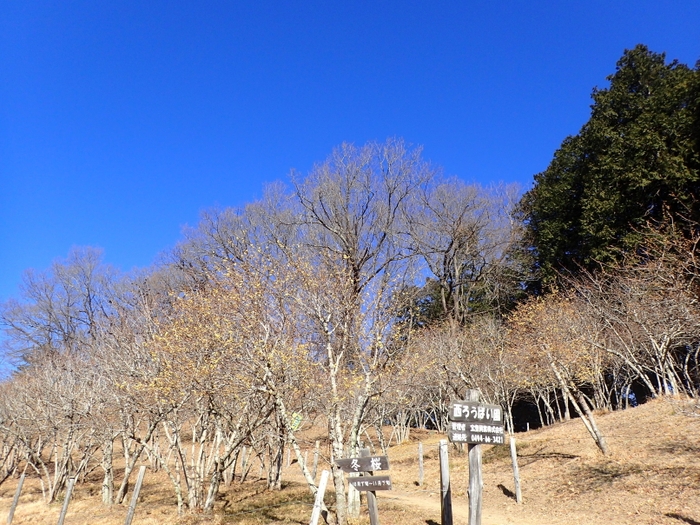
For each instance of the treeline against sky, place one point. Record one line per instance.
(372, 292)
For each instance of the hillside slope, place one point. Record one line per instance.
(651, 477)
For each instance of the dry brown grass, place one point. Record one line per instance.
(651, 477)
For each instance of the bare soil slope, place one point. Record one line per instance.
(651, 477)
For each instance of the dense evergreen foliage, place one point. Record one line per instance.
(636, 162)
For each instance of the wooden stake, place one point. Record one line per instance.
(446, 493)
(69, 493)
(353, 505)
(15, 501)
(420, 464)
(316, 513)
(516, 471)
(135, 496)
(317, 451)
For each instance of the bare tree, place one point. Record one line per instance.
(10, 445)
(59, 309)
(547, 338)
(467, 237)
(48, 415)
(644, 313)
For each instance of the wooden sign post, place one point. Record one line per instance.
(475, 423)
(367, 483)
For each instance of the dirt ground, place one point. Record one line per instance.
(652, 476)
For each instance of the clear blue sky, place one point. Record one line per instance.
(121, 121)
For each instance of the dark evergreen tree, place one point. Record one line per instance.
(635, 163)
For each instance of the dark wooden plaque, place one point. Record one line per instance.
(475, 412)
(371, 483)
(368, 464)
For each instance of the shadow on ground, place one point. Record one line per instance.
(682, 518)
(528, 459)
(506, 491)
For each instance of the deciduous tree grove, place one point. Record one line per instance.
(371, 293)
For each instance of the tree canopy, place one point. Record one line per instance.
(635, 162)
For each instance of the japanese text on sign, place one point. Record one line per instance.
(475, 412)
(484, 429)
(475, 439)
(365, 464)
(371, 483)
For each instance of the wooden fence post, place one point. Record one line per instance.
(66, 500)
(317, 452)
(318, 503)
(245, 465)
(446, 493)
(476, 483)
(135, 496)
(353, 505)
(516, 471)
(15, 500)
(420, 464)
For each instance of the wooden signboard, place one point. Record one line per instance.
(475, 412)
(371, 483)
(475, 423)
(363, 464)
(367, 483)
